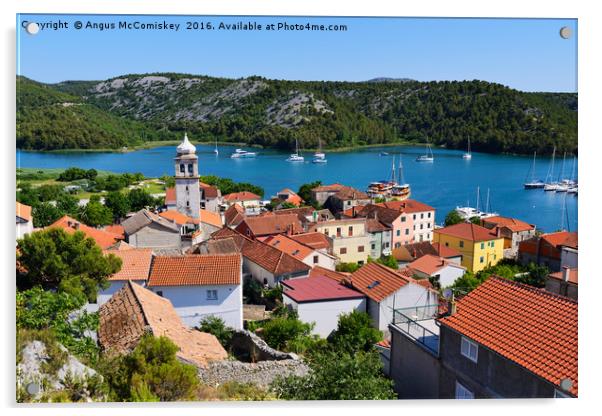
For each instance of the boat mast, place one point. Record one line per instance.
(572, 178)
(393, 170)
(469, 145)
(561, 176)
(533, 167)
(550, 174)
(487, 203)
(400, 172)
(478, 196)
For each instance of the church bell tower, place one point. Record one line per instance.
(188, 193)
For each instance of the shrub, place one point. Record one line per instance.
(355, 333)
(215, 325)
(278, 332)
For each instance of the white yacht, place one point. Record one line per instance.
(319, 156)
(531, 182)
(469, 212)
(296, 157)
(242, 154)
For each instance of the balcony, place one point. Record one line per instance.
(419, 324)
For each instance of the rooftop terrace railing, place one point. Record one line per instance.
(406, 320)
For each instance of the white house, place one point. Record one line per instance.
(135, 266)
(24, 220)
(145, 229)
(438, 268)
(200, 285)
(387, 290)
(301, 252)
(321, 300)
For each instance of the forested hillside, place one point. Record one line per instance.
(130, 109)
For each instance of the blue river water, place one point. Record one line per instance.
(448, 182)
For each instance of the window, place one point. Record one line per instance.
(186, 188)
(397, 245)
(361, 262)
(325, 231)
(316, 259)
(387, 245)
(190, 168)
(482, 259)
(343, 250)
(182, 168)
(160, 293)
(421, 226)
(407, 231)
(360, 249)
(403, 219)
(462, 393)
(482, 246)
(422, 216)
(187, 203)
(446, 244)
(429, 215)
(373, 247)
(494, 257)
(212, 294)
(461, 243)
(338, 231)
(350, 232)
(428, 225)
(414, 216)
(469, 349)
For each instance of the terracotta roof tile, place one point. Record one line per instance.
(319, 271)
(211, 218)
(562, 238)
(23, 211)
(272, 259)
(170, 196)
(447, 252)
(70, 225)
(209, 191)
(377, 281)
(328, 188)
(573, 275)
(135, 264)
(134, 310)
(512, 224)
(241, 196)
(288, 246)
(314, 240)
(430, 264)
(532, 327)
(196, 270)
(407, 206)
(116, 229)
(318, 289)
(234, 215)
(272, 224)
(178, 217)
(347, 193)
(468, 231)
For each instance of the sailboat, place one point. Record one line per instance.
(295, 157)
(563, 183)
(215, 150)
(533, 183)
(428, 156)
(467, 155)
(319, 156)
(469, 212)
(401, 190)
(551, 186)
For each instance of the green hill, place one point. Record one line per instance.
(133, 108)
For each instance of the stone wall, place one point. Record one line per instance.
(247, 346)
(262, 373)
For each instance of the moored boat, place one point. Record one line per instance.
(242, 154)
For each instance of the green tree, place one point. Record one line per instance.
(151, 372)
(338, 376)
(453, 218)
(355, 333)
(67, 204)
(305, 192)
(64, 262)
(216, 326)
(118, 203)
(347, 267)
(388, 261)
(95, 214)
(140, 199)
(45, 214)
(280, 331)
(475, 220)
(534, 276)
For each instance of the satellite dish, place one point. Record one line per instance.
(448, 293)
(566, 384)
(565, 32)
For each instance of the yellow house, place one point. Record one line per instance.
(479, 246)
(350, 242)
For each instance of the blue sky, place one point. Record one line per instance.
(526, 54)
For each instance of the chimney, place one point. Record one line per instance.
(451, 306)
(566, 273)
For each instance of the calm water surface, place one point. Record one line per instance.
(446, 183)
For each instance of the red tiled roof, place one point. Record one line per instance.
(288, 246)
(211, 218)
(573, 275)
(328, 188)
(70, 225)
(234, 215)
(272, 259)
(196, 270)
(562, 238)
(377, 281)
(241, 196)
(382, 214)
(468, 231)
(23, 211)
(408, 206)
(430, 264)
(209, 191)
(444, 251)
(375, 226)
(319, 271)
(529, 326)
(178, 217)
(135, 264)
(170, 196)
(347, 193)
(272, 224)
(315, 240)
(115, 229)
(317, 289)
(512, 224)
